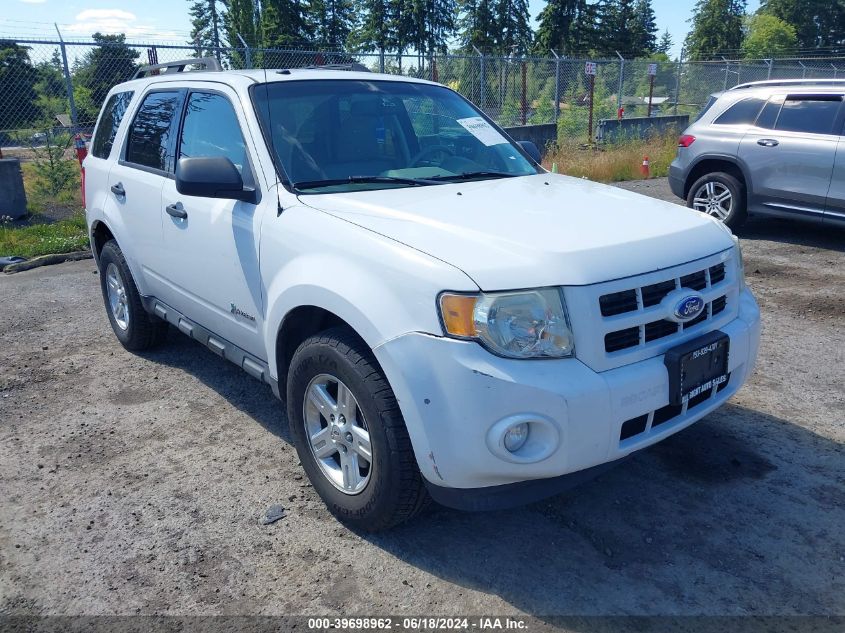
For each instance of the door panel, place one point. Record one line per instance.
(211, 254)
(790, 172)
(835, 208)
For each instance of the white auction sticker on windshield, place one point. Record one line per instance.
(482, 130)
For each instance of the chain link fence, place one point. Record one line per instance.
(46, 84)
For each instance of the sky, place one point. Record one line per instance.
(167, 20)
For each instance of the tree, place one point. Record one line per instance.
(477, 25)
(644, 28)
(109, 63)
(513, 29)
(205, 27)
(585, 30)
(51, 88)
(768, 36)
(817, 22)
(331, 22)
(666, 43)
(556, 23)
(374, 32)
(242, 18)
(716, 28)
(17, 87)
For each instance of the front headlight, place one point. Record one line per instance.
(740, 263)
(523, 324)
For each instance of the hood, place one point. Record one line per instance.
(533, 231)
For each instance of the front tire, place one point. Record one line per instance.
(132, 325)
(350, 434)
(720, 195)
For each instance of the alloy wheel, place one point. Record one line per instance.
(118, 301)
(714, 198)
(337, 434)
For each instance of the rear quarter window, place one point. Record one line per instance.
(151, 136)
(113, 113)
(741, 113)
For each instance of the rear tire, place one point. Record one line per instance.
(136, 329)
(719, 195)
(338, 403)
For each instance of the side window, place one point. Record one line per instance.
(810, 115)
(769, 113)
(741, 113)
(211, 128)
(152, 131)
(113, 113)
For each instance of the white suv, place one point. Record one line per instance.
(442, 317)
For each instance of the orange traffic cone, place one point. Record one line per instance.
(645, 171)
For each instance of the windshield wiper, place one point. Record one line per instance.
(333, 182)
(475, 174)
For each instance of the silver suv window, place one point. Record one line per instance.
(741, 113)
(814, 114)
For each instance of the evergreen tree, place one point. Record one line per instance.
(645, 29)
(374, 32)
(241, 18)
(477, 25)
(107, 64)
(716, 28)
(666, 43)
(283, 23)
(817, 22)
(17, 87)
(556, 23)
(585, 30)
(513, 29)
(331, 22)
(205, 27)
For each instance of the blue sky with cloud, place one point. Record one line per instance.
(167, 20)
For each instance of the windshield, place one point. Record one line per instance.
(351, 135)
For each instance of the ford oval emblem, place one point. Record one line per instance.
(688, 307)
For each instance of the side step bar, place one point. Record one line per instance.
(252, 365)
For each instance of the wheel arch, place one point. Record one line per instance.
(711, 164)
(100, 234)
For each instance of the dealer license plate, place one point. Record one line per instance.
(697, 366)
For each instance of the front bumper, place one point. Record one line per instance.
(452, 393)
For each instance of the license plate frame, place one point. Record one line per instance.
(697, 366)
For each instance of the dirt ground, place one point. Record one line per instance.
(136, 484)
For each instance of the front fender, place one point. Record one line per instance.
(381, 288)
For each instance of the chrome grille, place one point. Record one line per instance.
(624, 321)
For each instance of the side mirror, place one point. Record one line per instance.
(531, 150)
(212, 177)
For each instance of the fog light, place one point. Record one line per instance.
(516, 436)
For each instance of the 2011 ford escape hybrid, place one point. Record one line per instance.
(442, 317)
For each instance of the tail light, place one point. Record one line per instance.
(686, 140)
(83, 187)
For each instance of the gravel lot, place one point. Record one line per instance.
(137, 483)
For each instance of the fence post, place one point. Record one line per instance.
(803, 70)
(483, 81)
(621, 80)
(678, 80)
(769, 63)
(381, 60)
(524, 100)
(557, 85)
(727, 69)
(248, 55)
(835, 69)
(68, 82)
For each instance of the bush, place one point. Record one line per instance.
(617, 162)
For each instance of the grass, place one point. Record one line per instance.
(55, 224)
(614, 163)
(63, 236)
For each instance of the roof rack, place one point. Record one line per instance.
(351, 66)
(789, 82)
(207, 63)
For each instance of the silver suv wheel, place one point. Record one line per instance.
(337, 434)
(118, 302)
(713, 198)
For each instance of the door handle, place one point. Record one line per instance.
(176, 211)
(768, 142)
(118, 190)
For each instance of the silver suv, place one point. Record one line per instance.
(772, 148)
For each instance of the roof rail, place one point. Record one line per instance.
(207, 63)
(352, 66)
(789, 82)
